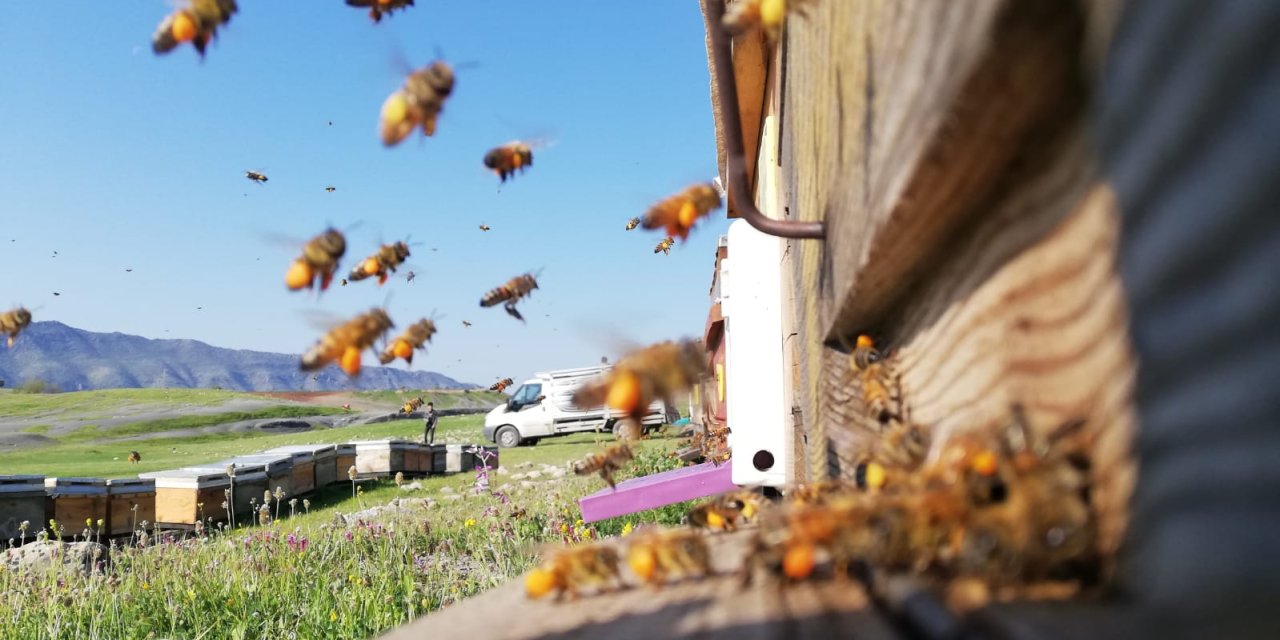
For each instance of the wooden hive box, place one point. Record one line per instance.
(380, 458)
(183, 496)
(344, 458)
(123, 494)
(21, 500)
(279, 468)
(417, 459)
(435, 455)
(247, 486)
(76, 504)
(454, 458)
(324, 470)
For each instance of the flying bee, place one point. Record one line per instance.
(660, 555)
(466, 323)
(344, 282)
(414, 338)
(606, 463)
(769, 15)
(511, 293)
(508, 158)
(412, 405)
(382, 263)
(379, 7)
(484, 227)
(569, 571)
(135, 457)
(319, 259)
(656, 372)
(408, 277)
(501, 385)
(678, 213)
(726, 511)
(880, 390)
(419, 102)
(346, 343)
(12, 322)
(633, 223)
(260, 178)
(665, 245)
(330, 188)
(198, 24)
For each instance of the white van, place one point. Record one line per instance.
(543, 407)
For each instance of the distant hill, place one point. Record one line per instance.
(74, 359)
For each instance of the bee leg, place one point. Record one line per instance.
(511, 310)
(382, 278)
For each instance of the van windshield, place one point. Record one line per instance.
(526, 394)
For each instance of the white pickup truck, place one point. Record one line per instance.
(543, 408)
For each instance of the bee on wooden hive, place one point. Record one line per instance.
(510, 293)
(505, 160)
(792, 540)
(382, 263)
(319, 259)
(657, 372)
(12, 322)
(256, 176)
(197, 23)
(412, 405)
(378, 8)
(633, 223)
(501, 385)
(345, 344)
(819, 492)
(413, 339)
(770, 15)
(880, 389)
(418, 103)
(569, 571)
(659, 556)
(665, 246)
(678, 213)
(605, 463)
(726, 511)
(135, 457)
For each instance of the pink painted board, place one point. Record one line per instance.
(657, 490)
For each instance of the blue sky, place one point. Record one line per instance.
(117, 158)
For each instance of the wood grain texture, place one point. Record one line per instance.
(14, 510)
(71, 511)
(183, 506)
(121, 518)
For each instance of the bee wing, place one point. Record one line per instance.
(321, 320)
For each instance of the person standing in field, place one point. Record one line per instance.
(429, 434)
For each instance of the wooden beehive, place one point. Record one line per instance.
(380, 458)
(454, 458)
(246, 487)
(305, 466)
(21, 500)
(435, 457)
(76, 504)
(184, 496)
(344, 457)
(278, 467)
(123, 495)
(417, 459)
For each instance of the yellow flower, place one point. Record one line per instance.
(191, 594)
(231, 602)
(333, 615)
(579, 522)
(564, 528)
(353, 578)
(586, 533)
(145, 586)
(626, 529)
(471, 522)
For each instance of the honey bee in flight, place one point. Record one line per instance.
(412, 405)
(484, 227)
(569, 571)
(197, 23)
(727, 511)
(508, 158)
(419, 102)
(12, 322)
(633, 223)
(658, 556)
(605, 463)
(501, 385)
(665, 246)
(511, 293)
(382, 263)
(879, 384)
(414, 338)
(346, 343)
(769, 15)
(377, 8)
(256, 176)
(678, 213)
(330, 188)
(135, 457)
(319, 258)
(465, 323)
(656, 372)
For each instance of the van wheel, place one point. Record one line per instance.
(508, 437)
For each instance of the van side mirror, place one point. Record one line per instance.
(540, 398)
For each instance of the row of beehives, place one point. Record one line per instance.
(179, 498)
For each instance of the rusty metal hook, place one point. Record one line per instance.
(731, 121)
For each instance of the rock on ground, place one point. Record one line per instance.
(39, 556)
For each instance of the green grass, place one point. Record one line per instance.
(39, 429)
(17, 405)
(353, 579)
(196, 421)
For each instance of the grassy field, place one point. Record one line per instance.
(329, 567)
(18, 405)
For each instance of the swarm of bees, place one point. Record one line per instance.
(501, 385)
(606, 463)
(654, 555)
(378, 8)
(656, 372)
(319, 259)
(135, 457)
(13, 321)
(414, 338)
(678, 213)
(664, 246)
(382, 263)
(345, 344)
(726, 512)
(511, 293)
(418, 103)
(197, 23)
(412, 405)
(256, 176)
(508, 158)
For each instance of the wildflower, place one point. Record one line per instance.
(266, 497)
(231, 602)
(191, 594)
(225, 506)
(564, 528)
(333, 616)
(351, 473)
(23, 527)
(279, 494)
(264, 515)
(471, 522)
(101, 522)
(626, 529)
(231, 470)
(145, 586)
(88, 522)
(399, 478)
(306, 504)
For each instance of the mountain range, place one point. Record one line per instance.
(74, 360)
